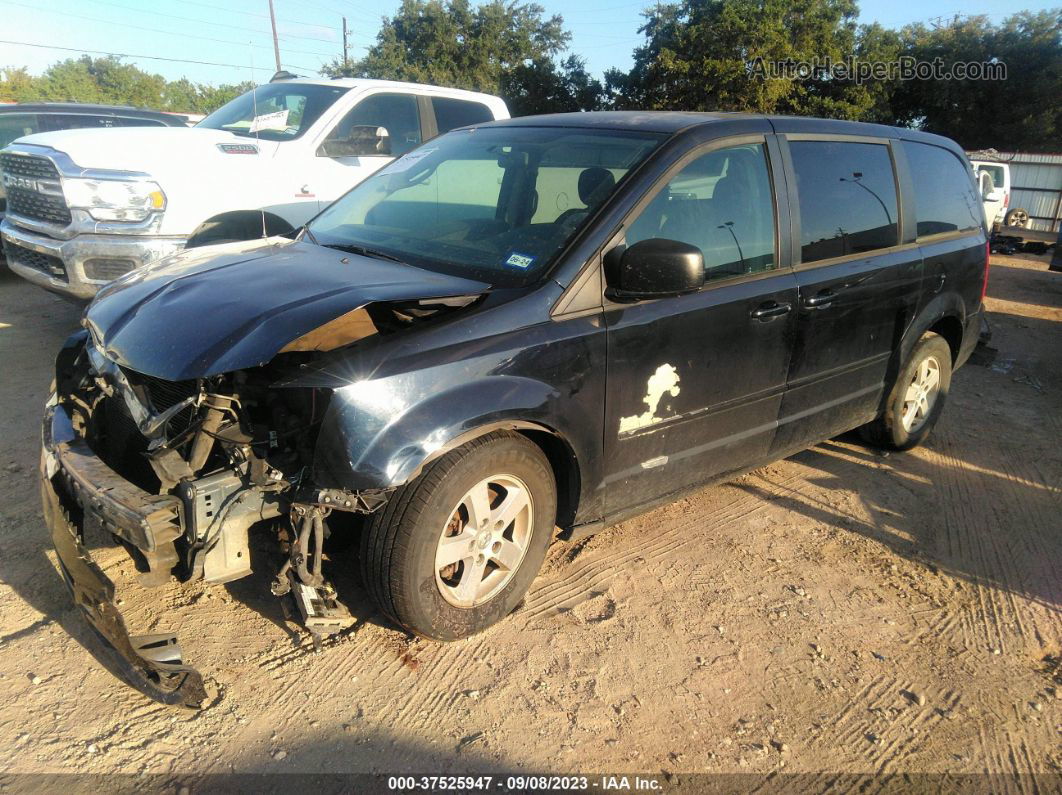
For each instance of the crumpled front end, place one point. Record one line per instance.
(179, 473)
(153, 662)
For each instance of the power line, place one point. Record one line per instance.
(333, 10)
(201, 21)
(261, 16)
(148, 57)
(155, 30)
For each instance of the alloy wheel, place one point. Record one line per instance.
(921, 394)
(484, 541)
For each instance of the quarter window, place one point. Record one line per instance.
(847, 196)
(397, 112)
(722, 204)
(452, 113)
(945, 200)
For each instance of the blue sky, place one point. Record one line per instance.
(233, 35)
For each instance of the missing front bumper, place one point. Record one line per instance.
(151, 663)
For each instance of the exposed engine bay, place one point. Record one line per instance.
(180, 473)
(231, 454)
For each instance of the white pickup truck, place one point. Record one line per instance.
(86, 206)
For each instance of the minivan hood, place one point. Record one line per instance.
(222, 308)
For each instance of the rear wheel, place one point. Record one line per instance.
(454, 551)
(1017, 217)
(917, 397)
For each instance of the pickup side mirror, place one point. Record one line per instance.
(654, 268)
(365, 140)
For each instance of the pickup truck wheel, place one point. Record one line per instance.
(916, 399)
(454, 551)
(1017, 217)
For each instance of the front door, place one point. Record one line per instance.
(695, 381)
(399, 114)
(859, 288)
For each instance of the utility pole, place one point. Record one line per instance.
(346, 59)
(273, 22)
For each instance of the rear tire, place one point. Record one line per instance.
(1017, 217)
(454, 551)
(916, 399)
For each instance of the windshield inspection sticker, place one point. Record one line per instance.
(270, 121)
(521, 261)
(407, 161)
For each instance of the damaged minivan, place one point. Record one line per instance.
(519, 330)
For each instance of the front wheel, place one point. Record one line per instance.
(454, 551)
(917, 397)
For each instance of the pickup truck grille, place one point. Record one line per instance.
(45, 263)
(25, 180)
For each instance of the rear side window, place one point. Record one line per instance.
(452, 113)
(847, 196)
(945, 200)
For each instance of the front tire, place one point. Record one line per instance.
(917, 397)
(455, 550)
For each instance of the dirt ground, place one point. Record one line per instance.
(839, 611)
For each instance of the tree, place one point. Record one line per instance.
(17, 85)
(109, 81)
(541, 86)
(697, 56)
(499, 47)
(1021, 112)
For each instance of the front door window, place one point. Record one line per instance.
(722, 204)
(397, 112)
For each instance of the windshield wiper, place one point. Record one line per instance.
(351, 248)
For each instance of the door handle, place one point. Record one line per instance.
(770, 310)
(823, 299)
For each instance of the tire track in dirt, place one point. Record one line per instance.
(448, 666)
(858, 724)
(973, 548)
(573, 584)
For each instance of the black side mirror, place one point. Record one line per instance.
(366, 140)
(653, 268)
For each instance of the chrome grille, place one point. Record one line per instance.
(28, 166)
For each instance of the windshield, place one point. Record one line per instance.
(496, 204)
(275, 111)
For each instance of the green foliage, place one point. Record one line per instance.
(696, 55)
(505, 48)
(1021, 113)
(109, 81)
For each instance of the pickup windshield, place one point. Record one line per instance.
(496, 204)
(274, 112)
